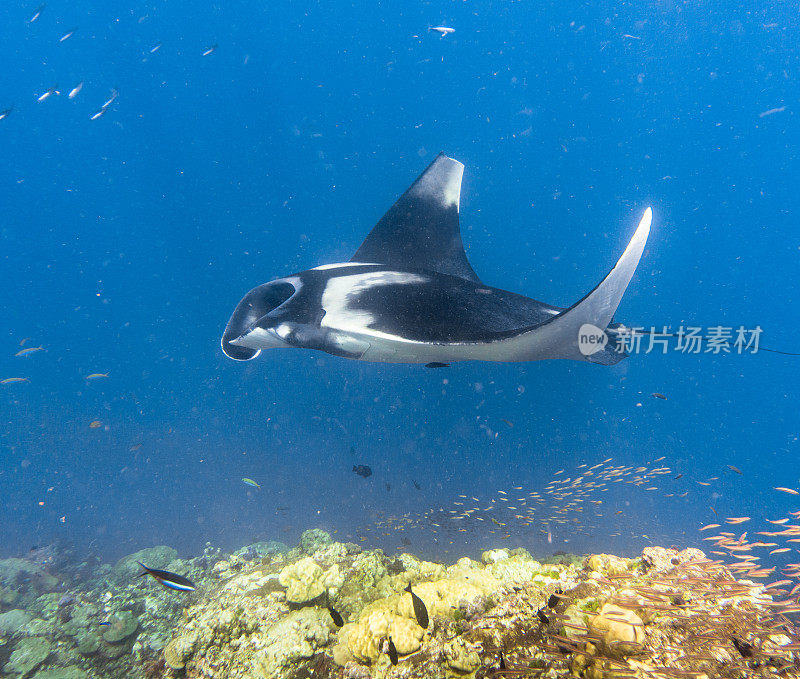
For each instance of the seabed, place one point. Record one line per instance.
(264, 612)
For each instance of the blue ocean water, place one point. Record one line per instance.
(127, 241)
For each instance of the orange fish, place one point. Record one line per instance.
(94, 424)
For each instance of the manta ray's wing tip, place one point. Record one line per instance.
(647, 217)
(636, 245)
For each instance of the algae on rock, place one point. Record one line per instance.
(12, 622)
(28, 654)
(23, 574)
(314, 540)
(123, 625)
(68, 672)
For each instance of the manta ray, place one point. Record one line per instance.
(409, 295)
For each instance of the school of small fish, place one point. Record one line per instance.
(36, 18)
(570, 504)
(743, 556)
(25, 352)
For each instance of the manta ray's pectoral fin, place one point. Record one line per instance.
(582, 331)
(421, 230)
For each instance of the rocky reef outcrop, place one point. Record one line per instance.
(329, 609)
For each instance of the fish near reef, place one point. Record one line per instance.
(337, 618)
(420, 610)
(168, 579)
(392, 652)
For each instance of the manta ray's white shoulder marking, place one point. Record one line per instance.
(339, 314)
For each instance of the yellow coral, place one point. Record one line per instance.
(394, 615)
(442, 597)
(618, 630)
(333, 579)
(607, 564)
(304, 580)
(363, 639)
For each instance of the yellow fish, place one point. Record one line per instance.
(250, 482)
(96, 376)
(94, 424)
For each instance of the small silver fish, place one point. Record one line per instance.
(6, 112)
(155, 49)
(48, 94)
(67, 35)
(74, 91)
(99, 113)
(210, 50)
(114, 95)
(442, 30)
(36, 14)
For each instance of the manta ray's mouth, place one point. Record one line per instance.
(258, 338)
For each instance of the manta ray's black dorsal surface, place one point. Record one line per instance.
(409, 295)
(421, 231)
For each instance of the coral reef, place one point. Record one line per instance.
(262, 612)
